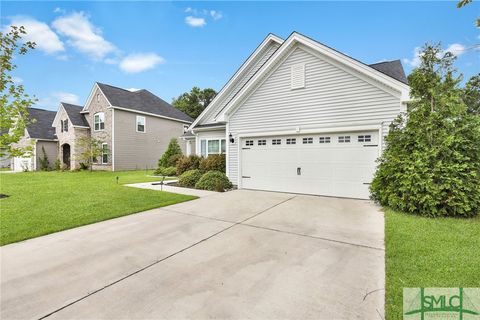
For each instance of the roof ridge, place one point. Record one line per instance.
(71, 104)
(109, 85)
(41, 109)
(388, 61)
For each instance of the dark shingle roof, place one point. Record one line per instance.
(393, 69)
(141, 100)
(73, 112)
(42, 127)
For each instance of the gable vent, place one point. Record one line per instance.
(298, 76)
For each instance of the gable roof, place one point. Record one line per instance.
(330, 53)
(143, 101)
(42, 127)
(393, 69)
(73, 112)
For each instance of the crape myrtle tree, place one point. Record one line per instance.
(431, 163)
(14, 102)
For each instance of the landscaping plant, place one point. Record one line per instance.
(189, 178)
(431, 164)
(43, 161)
(214, 162)
(168, 171)
(184, 163)
(214, 181)
(171, 155)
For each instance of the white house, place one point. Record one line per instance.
(301, 117)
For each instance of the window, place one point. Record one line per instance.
(291, 141)
(98, 97)
(140, 124)
(262, 142)
(297, 76)
(324, 140)
(365, 138)
(276, 141)
(249, 143)
(343, 139)
(61, 125)
(307, 140)
(104, 153)
(99, 121)
(212, 146)
(65, 125)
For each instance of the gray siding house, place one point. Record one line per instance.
(301, 117)
(134, 127)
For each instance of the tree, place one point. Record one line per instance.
(195, 101)
(462, 3)
(14, 102)
(43, 161)
(171, 155)
(90, 149)
(431, 163)
(471, 94)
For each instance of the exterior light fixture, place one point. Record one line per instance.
(230, 138)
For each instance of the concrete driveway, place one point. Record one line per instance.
(241, 254)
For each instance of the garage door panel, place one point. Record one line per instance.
(337, 168)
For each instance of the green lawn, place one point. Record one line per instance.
(426, 252)
(44, 202)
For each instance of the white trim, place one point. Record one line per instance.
(219, 139)
(213, 128)
(227, 150)
(99, 124)
(148, 114)
(82, 127)
(90, 97)
(309, 131)
(245, 65)
(113, 139)
(101, 162)
(328, 52)
(56, 114)
(144, 123)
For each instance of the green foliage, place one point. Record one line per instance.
(43, 161)
(194, 102)
(189, 178)
(14, 102)
(463, 3)
(84, 166)
(57, 165)
(90, 149)
(192, 162)
(166, 171)
(214, 181)
(171, 155)
(471, 94)
(431, 164)
(214, 162)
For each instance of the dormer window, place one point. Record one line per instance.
(99, 121)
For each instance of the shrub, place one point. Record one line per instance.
(431, 164)
(168, 159)
(214, 162)
(84, 166)
(57, 165)
(172, 161)
(43, 161)
(214, 181)
(168, 171)
(189, 178)
(185, 163)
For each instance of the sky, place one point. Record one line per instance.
(169, 47)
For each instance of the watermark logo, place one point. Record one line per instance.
(441, 303)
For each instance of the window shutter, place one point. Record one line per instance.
(298, 76)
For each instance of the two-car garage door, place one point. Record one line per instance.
(339, 165)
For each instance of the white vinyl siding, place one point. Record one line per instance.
(332, 98)
(248, 73)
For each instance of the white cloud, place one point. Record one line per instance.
(456, 49)
(195, 22)
(216, 15)
(66, 97)
(139, 62)
(83, 35)
(415, 61)
(58, 10)
(133, 89)
(39, 32)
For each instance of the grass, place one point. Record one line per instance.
(426, 252)
(40, 203)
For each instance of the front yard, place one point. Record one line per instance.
(425, 252)
(40, 203)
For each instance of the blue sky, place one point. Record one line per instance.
(168, 47)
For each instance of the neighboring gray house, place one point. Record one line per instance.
(38, 134)
(135, 128)
(301, 117)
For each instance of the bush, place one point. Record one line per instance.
(168, 159)
(168, 171)
(189, 178)
(57, 165)
(172, 161)
(214, 181)
(43, 161)
(185, 163)
(214, 162)
(84, 166)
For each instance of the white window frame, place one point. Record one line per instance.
(100, 115)
(206, 146)
(103, 153)
(144, 124)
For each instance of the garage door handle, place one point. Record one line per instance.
(299, 171)
(367, 183)
(370, 145)
(245, 148)
(246, 177)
